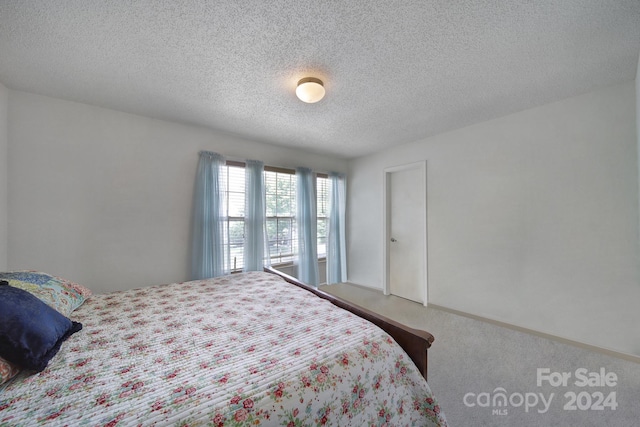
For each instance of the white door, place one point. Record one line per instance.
(407, 232)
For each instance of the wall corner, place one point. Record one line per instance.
(638, 137)
(4, 176)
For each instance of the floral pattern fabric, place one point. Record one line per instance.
(8, 370)
(58, 293)
(246, 349)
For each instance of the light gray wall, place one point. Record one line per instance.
(638, 121)
(4, 165)
(532, 218)
(104, 198)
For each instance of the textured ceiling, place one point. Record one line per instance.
(395, 71)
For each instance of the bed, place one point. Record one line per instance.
(244, 349)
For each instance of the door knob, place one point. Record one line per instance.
(393, 240)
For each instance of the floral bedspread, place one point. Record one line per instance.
(246, 349)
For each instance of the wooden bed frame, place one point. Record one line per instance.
(415, 342)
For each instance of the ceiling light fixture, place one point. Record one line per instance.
(310, 90)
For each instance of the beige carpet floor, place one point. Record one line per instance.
(474, 365)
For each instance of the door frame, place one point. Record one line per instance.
(386, 218)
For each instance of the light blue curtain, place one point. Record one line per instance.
(306, 219)
(336, 240)
(208, 255)
(256, 253)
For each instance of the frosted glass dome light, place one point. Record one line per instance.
(310, 90)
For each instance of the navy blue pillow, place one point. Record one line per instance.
(31, 332)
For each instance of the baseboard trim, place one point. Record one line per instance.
(601, 350)
(590, 347)
(357, 285)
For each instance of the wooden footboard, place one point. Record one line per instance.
(415, 342)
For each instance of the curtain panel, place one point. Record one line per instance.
(336, 237)
(256, 251)
(306, 221)
(208, 253)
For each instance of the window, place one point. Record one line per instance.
(280, 189)
(322, 208)
(281, 216)
(233, 185)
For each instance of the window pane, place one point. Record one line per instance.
(285, 190)
(322, 194)
(236, 179)
(236, 242)
(235, 195)
(272, 230)
(270, 188)
(322, 247)
(322, 203)
(285, 236)
(322, 237)
(322, 227)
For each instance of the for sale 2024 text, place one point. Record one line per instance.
(593, 399)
